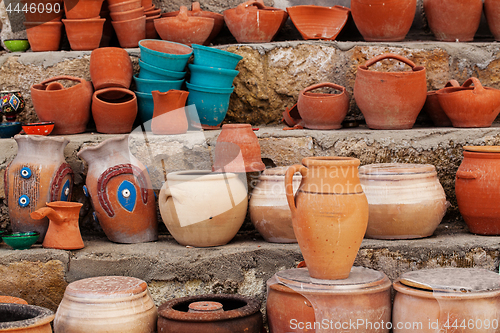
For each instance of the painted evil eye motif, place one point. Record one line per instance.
(127, 195)
(25, 172)
(94, 216)
(24, 201)
(65, 191)
(85, 191)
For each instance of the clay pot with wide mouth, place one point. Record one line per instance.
(24, 318)
(110, 67)
(114, 110)
(127, 15)
(390, 100)
(82, 9)
(169, 114)
(434, 109)
(492, 12)
(44, 36)
(318, 22)
(84, 34)
(124, 6)
(324, 111)
(45, 10)
(130, 32)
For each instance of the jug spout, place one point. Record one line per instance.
(47, 212)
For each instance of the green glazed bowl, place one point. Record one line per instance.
(16, 45)
(21, 240)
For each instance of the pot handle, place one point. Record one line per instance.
(389, 56)
(195, 7)
(324, 84)
(478, 87)
(289, 184)
(452, 83)
(164, 195)
(241, 7)
(183, 14)
(466, 174)
(63, 77)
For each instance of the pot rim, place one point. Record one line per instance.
(88, 20)
(214, 70)
(152, 81)
(330, 161)
(126, 22)
(158, 70)
(34, 24)
(482, 149)
(399, 287)
(217, 51)
(143, 45)
(105, 90)
(199, 175)
(45, 317)
(210, 90)
(396, 169)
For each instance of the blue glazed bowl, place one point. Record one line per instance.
(164, 54)
(211, 76)
(212, 57)
(211, 105)
(21, 240)
(8, 130)
(145, 106)
(147, 85)
(156, 73)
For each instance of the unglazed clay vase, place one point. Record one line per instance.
(405, 200)
(106, 304)
(434, 109)
(453, 20)
(169, 114)
(329, 214)
(114, 110)
(37, 175)
(44, 36)
(64, 231)
(492, 12)
(201, 208)
(121, 192)
(237, 150)
(390, 100)
(269, 209)
(468, 106)
(383, 21)
(84, 34)
(23, 318)
(323, 111)
(110, 67)
(476, 188)
(68, 108)
(130, 32)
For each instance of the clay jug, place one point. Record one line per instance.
(169, 114)
(329, 214)
(492, 12)
(37, 175)
(434, 109)
(121, 192)
(64, 231)
(390, 100)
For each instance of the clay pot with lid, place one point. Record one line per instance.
(405, 200)
(329, 214)
(84, 34)
(169, 114)
(44, 36)
(24, 318)
(114, 110)
(295, 297)
(468, 106)
(390, 100)
(225, 313)
(110, 67)
(130, 32)
(434, 109)
(492, 12)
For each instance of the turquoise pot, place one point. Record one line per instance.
(212, 57)
(147, 85)
(212, 77)
(164, 54)
(211, 105)
(156, 73)
(9, 129)
(21, 240)
(145, 106)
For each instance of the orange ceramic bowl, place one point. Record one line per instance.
(41, 128)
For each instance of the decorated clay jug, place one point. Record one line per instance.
(329, 214)
(169, 114)
(37, 175)
(121, 192)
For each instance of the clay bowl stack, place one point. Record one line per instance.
(83, 24)
(129, 21)
(44, 28)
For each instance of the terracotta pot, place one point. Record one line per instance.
(295, 302)
(147, 3)
(124, 6)
(84, 34)
(237, 150)
(317, 22)
(44, 36)
(476, 185)
(322, 110)
(269, 209)
(470, 106)
(291, 116)
(38, 174)
(114, 110)
(154, 12)
(453, 20)
(239, 314)
(329, 214)
(130, 32)
(106, 304)
(11, 299)
(169, 115)
(252, 22)
(203, 209)
(390, 100)
(127, 15)
(64, 231)
(434, 109)
(41, 12)
(185, 29)
(110, 67)
(151, 32)
(82, 9)
(68, 108)
(492, 12)
(23, 318)
(405, 200)
(383, 21)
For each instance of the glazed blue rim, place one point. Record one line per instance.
(26, 234)
(211, 90)
(11, 124)
(213, 70)
(137, 78)
(160, 71)
(163, 54)
(214, 50)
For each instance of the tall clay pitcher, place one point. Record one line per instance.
(169, 115)
(329, 214)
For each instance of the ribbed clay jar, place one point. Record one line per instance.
(405, 200)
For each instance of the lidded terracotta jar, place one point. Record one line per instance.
(447, 300)
(405, 200)
(23, 318)
(118, 304)
(295, 301)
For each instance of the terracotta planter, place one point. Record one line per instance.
(291, 116)
(323, 111)
(476, 185)
(383, 21)
(434, 109)
(121, 192)
(130, 32)
(23, 318)
(114, 110)
(151, 32)
(453, 20)
(82, 9)
(68, 108)
(169, 114)
(127, 15)
(84, 34)
(470, 106)
(294, 297)
(237, 314)
(64, 231)
(269, 209)
(405, 200)
(110, 67)
(38, 15)
(37, 175)
(329, 214)
(203, 209)
(390, 100)
(124, 6)
(106, 304)
(44, 36)
(11, 299)
(237, 150)
(492, 12)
